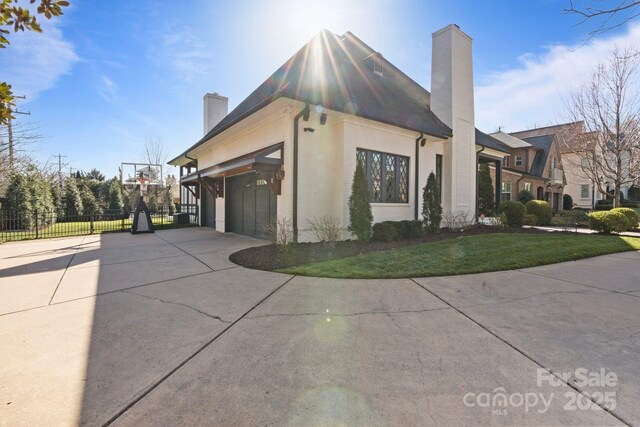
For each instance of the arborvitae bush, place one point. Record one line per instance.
(72, 199)
(431, 207)
(115, 195)
(486, 194)
(525, 196)
(567, 202)
(360, 216)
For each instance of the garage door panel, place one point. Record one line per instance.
(250, 205)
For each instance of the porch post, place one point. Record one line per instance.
(498, 164)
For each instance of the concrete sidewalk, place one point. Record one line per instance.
(163, 329)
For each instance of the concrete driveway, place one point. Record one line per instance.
(163, 330)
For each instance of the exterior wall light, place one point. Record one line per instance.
(309, 130)
(323, 118)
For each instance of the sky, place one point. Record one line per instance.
(107, 76)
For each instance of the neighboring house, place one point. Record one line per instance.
(535, 164)
(289, 150)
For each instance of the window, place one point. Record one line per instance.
(527, 186)
(439, 174)
(506, 191)
(518, 160)
(585, 162)
(387, 174)
(505, 161)
(584, 191)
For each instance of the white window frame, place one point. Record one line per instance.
(506, 190)
(519, 160)
(527, 186)
(582, 188)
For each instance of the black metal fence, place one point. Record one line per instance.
(43, 223)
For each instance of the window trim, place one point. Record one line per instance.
(397, 163)
(528, 184)
(519, 160)
(503, 191)
(582, 187)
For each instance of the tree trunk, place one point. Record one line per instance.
(616, 196)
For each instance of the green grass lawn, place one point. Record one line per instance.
(63, 229)
(465, 255)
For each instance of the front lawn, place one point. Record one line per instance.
(466, 255)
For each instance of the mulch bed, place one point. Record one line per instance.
(270, 258)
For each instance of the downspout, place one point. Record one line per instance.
(417, 191)
(476, 172)
(294, 216)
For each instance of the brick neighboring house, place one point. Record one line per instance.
(534, 164)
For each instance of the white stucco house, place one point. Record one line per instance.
(290, 148)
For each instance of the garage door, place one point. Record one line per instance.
(208, 209)
(250, 204)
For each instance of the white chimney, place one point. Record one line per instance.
(452, 102)
(215, 109)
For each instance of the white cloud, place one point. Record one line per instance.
(108, 89)
(532, 94)
(186, 53)
(34, 62)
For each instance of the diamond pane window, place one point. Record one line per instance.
(403, 180)
(387, 174)
(376, 177)
(389, 177)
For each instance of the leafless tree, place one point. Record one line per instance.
(607, 14)
(608, 147)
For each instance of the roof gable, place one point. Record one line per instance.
(544, 144)
(333, 71)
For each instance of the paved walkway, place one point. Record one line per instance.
(163, 330)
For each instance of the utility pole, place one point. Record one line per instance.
(10, 132)
(60, 156)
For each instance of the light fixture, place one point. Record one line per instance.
(309, 130)
(323, 118)
(423, 142)
(305, 114)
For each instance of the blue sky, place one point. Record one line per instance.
(109, 75)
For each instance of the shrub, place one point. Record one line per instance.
(384, 232)
(525, 196)
(577, 215)
(457, 220)
(360, 216)
(630, 204)
(514, 212)
(280, 233)
(530, 219)
(631, 216)
(603, 207)
(431, 207)
(567, 202)
(326, 229)
(486, 195)
(409, 229)
(541, 209)
(72, 200)
(608, 222)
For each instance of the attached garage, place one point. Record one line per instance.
(250, 204)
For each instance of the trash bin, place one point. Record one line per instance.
(181, 218)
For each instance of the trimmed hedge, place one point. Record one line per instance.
(541, 209)
(384, 232)
(388, 231)
(608, 222)
(514, 212)
(631, 216)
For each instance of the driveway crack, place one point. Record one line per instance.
(386, 313)
(179, 303)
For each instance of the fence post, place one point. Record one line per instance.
(122, 220)
(36, 211)
(162, 220)
(91, 222)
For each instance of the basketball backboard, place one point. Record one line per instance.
(133, 172)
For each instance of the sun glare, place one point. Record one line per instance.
(305, 19)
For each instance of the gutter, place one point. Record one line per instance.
(417, 193)
(294, 215)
